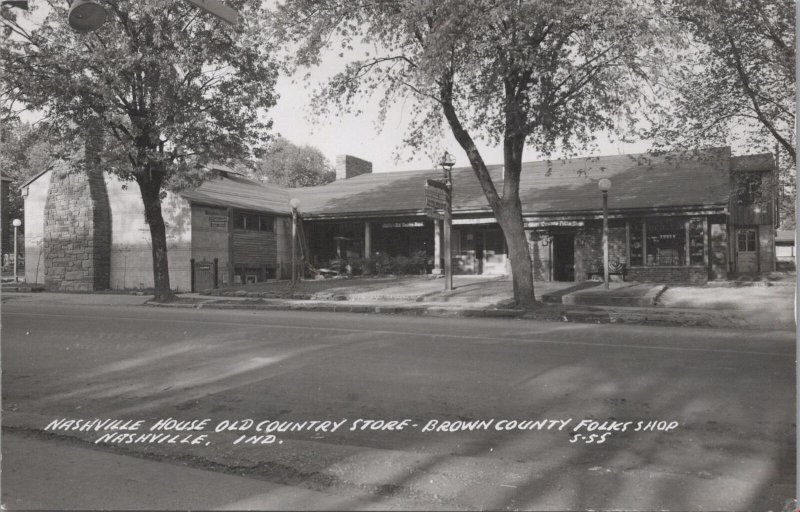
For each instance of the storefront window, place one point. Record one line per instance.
(696, 242)
(666, 242)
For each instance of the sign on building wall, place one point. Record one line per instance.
(218, 221)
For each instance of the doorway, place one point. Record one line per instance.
(747, 250)
(564, 257)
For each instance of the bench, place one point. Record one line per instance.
(614, 269)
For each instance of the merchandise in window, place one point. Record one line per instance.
(666, 242)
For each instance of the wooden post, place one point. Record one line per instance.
(294, 246)
(16, 255)
(448, 228)
(216, 273)
(230, 247)
(367, 240)
(687, 244)
(605, 237)
(437, 247)
(191, 280)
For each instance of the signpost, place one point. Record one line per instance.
(434, 200)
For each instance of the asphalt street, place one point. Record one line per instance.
(729, 396)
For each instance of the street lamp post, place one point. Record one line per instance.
(295, 204)
(16, 223)
(447, 162)
(605, 185)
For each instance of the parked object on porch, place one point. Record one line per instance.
(615, 268)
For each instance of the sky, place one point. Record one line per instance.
(361, 136)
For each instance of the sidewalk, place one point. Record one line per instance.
(758, 307)
(743, 306)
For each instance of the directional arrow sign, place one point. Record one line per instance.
(218, 9)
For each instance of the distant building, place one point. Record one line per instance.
(685, 218)
(785, 246)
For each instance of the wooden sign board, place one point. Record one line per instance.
(436, 194)
(440, 184)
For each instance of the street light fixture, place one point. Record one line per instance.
(447, 162)
(86, 16)
(605, 185)
(16, 223)
(295, 204)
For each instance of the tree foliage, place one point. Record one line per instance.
(735, 81)
(161, 89)
(25, 151)
(289, 165)
(547, 75)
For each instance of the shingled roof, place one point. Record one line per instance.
(229, 189)
(690, 179)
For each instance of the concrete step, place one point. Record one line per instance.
(631, 296)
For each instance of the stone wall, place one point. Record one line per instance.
(688, 275)
(719, 252)
(589, 248)
(77, 232)
(766, 248)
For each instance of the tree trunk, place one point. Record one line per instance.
(509, 216)
(151, 196)
(508, 209)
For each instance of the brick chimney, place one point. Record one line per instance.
(348, 166)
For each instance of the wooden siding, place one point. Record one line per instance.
(747, 215)
(255, 248)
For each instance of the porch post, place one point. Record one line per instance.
(437, 246)
(367, 240)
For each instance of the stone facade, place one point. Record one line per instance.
(589, 248)
(686, 275)
(77, 233)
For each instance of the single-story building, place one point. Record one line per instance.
(785, 247)
(689, 217)
(88, 232)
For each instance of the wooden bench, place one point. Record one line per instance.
(613, 270)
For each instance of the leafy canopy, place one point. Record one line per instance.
(735, 82)
(552, 72)
(170, 86)
(289, 165)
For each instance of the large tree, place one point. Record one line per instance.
(539, 74)
(735, 80)
(289, 165)
(161, 89)
(734, 83)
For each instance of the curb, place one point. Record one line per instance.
(594, 315)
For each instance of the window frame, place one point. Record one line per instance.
(253, 221)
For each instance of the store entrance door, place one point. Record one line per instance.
(564, 257)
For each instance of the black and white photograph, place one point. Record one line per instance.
(398, 255)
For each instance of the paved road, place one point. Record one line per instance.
(731, 392)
